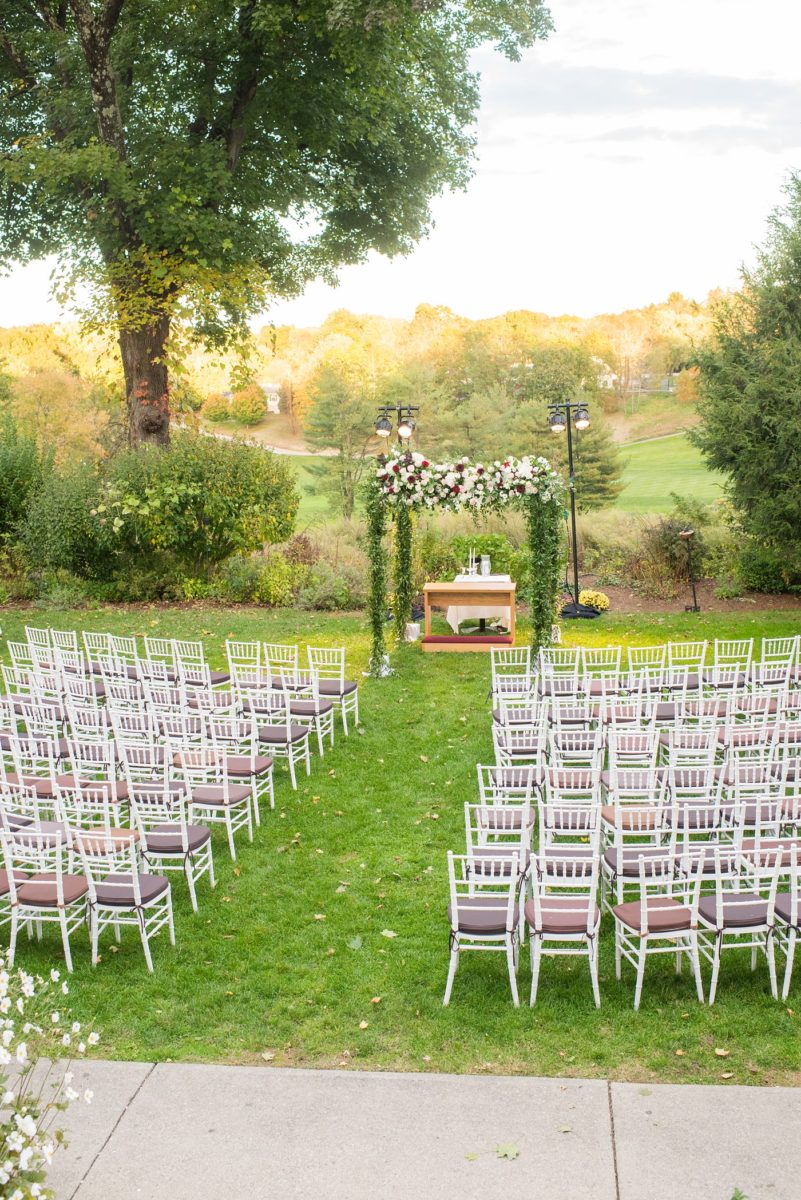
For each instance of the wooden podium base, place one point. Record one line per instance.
(436, 644)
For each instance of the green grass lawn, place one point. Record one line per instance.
(314, 506)
(652, 470)
(288, 956)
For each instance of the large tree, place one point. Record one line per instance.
(186, 162)
(750, 385)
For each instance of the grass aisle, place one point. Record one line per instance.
(289, 956)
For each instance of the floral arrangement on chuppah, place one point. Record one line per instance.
(410, 478)
(405, 481)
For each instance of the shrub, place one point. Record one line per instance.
(594, 599)
(249, 406)
(760, 569)
(276, 583)
(217, 407)
(237, 579)
(332, 589)
(23, 469)
(61, 531)
(196, 502)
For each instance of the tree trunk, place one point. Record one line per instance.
(146, 384)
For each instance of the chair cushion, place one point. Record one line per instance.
(483, 914)
(93, 787)
(563, 914)
(625, 860)
(214, 794)
(784, 910)
(508, 855)
(96, 842)
(19, 877)
(40, 890)
(166, 839)
(505, 819)
(333, 687)
(665, 915)
(276, 735)
(116, 890)
(239, 765)
(634, 820)
(43, 787)
(307, 708)
(748, 909)
(779, 848)
(633, 778)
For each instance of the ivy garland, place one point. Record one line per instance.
(406, 481)
(402, 607)
(377, 555)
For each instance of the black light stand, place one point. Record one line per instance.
(559, 416)
(686, 536)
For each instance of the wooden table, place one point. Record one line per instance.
(477, 593)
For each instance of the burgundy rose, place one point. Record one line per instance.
(395, 468)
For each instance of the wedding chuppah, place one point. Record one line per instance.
(406, 482)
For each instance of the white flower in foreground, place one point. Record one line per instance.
(55, 1017)
(65, 1041)
(8, 1097)
(76, 1027)
(93, 1039)
(22, 1053)
(55, 976)
(70, 1094)
(26, 1125)
(88, 1096)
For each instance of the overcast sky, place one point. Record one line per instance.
(635, 153)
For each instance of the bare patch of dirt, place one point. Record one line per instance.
(624, 600)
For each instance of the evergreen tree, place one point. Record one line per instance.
(750, 386)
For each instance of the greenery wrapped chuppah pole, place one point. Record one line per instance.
(406, 481)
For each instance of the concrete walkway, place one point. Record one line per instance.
(190, 1132)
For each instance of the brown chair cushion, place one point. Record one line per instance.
(214, 794)
(94, 787)
(782, 846)
(563, 914)
(166, 839)
(19, 877)
(625, 860)
(483, 914)
(307, 708)
(633, 777)
(276, 735)
(635, 820)
(96, 843)
(665, 915)
(332, 687)
(44, 788)
(116, 890)
(241, 764)
(40, 890)
(505, 819)
(784, 910)
(747, 910)
(508, 856)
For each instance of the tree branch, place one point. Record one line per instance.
(19, 64)
(111, 16)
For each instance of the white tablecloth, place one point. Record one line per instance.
(457, 613)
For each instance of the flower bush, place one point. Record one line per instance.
(34, 1025)
(594, 599)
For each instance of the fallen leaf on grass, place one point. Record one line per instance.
(388, 933)
(679, 1053)
(319, 916)
(507, 1150)
(340, 891)
(423, 758)
(268, 1055)
(376, 1000)
(727, 1075)
(355, 943)
(720, 1053)
(363, 1024)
